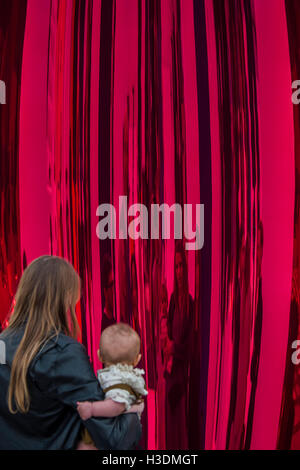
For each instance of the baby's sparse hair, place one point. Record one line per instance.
(119, 343)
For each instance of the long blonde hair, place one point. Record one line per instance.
(45, 306)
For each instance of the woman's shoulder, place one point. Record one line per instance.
(62, 340)
(59, 348)
(61, 343)
(61, 357)
(58, 345)
(59, 340)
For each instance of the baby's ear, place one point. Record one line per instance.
(99, 355)
(139, 357)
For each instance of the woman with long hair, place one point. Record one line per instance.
(177, 354)
(47, 371)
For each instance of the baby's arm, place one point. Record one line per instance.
(104, 409)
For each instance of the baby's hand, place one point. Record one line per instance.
(137, 408)
(84, 409)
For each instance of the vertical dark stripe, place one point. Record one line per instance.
(288, 431)
(12, 29)
(105, 102)
(206, 198)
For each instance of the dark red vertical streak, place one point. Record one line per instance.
(206, 198)
(105, 105)
(12, 27)
(289, 425)
(178, 109)
(237, 75)
(85, 224)
(76, 125)
(255, 216)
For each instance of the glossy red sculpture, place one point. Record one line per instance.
(173, 101)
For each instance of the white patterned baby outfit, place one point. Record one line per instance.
(126, 375)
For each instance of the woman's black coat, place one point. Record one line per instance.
(59, 376)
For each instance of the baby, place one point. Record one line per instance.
(121, 381)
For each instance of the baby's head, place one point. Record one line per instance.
(119, 343)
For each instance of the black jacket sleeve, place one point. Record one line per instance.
(66, 375)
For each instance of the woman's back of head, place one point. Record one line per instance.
(45, 306)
